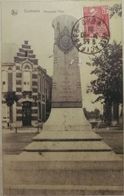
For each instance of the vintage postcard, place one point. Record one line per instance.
(62, 98)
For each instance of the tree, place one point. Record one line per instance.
(10, 98)
(115, 9)
(109, 82)
(95, 114)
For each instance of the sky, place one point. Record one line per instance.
(33, 22)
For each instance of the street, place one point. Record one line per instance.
(14, 143)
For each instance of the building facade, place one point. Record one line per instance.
(29, 85)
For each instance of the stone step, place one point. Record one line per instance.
(25, 170)
(58, 176)
(49, 161)
(69, 146)
(77, 157)
(61, 190)
(65, 176)
(67, 136)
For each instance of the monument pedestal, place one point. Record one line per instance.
(67, 129)
(66, 119)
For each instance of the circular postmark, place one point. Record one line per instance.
(90, 34)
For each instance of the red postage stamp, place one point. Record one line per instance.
(97, 21)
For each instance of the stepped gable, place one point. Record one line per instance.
(25, 52)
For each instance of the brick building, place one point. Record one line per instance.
(30, 84)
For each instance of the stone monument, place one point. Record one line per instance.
(67, 113)
(67, 128)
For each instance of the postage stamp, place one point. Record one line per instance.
(90, 34)
(99, 11)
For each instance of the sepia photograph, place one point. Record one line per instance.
(62, 98)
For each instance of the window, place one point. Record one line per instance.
(10, 82)
(4, 81)
(39, 84)
(27, 77)
(39, 110)
(26, 81)
(26, 53)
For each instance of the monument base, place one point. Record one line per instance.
(62, 162)
(67, 119)
(62, 174)
(67, 130)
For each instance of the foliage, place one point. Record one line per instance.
(115, 9)
(10, 98)
(108, 69)
(95, 114)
